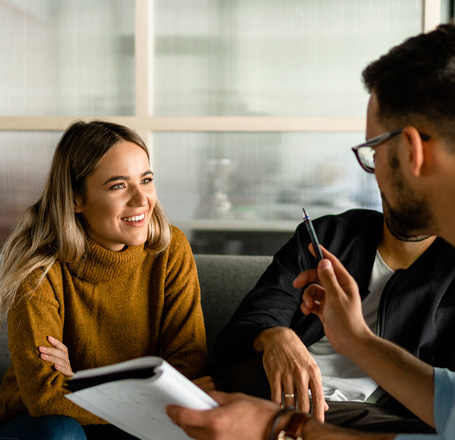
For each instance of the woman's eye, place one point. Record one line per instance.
(118, 186)
(148, 180)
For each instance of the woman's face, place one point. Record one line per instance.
(119, 199)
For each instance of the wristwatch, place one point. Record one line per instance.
(293, 429)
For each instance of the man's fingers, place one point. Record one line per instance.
(343, 277)
(303, 397)
(311, 299)
(186, 417)
(313, 275)
(305, 277)
(318, 401)
(313, 293)
(275, 390)
(289, 391)
(223, 398)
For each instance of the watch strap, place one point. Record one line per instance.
(294, 428)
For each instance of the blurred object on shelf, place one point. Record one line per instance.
(215, 202)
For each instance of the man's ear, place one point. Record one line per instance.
(78, 204)
(415, 154)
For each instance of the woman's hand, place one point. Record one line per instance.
(57, 356)
(291, 369)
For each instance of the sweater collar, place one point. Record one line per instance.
(100, 264)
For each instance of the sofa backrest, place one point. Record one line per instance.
(224, 281)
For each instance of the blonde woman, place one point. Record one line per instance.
(96, 275)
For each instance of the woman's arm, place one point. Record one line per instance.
(31, 319)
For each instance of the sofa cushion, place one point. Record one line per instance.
(224, 281)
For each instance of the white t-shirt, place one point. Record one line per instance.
(341, 378)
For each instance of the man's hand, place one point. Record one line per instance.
(238, 417)
(57, 356)
(242, 417)
(334, 297)
(291, 369)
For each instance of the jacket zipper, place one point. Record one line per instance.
(382, 302)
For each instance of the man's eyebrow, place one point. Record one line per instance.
(115, 178)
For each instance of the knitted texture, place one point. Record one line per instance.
(107, 308)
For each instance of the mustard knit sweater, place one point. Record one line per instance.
(112, 307)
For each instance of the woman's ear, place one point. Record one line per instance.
(78, 204)
(415, 153)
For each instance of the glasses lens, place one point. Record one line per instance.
(366, 156)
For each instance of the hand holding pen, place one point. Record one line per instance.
(312, 234)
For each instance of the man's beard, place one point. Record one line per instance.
(412, 215)
(404, 221)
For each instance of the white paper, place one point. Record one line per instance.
(138, 405)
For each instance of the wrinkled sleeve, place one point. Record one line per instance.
(32, 318)
(273, 302)
(183, 331)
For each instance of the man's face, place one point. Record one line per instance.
(406, 214)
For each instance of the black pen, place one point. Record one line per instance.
(312, 234)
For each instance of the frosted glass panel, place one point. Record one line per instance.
(446, 10)
(272, 57)
(66, 58)
(258, 181)
(25, 158)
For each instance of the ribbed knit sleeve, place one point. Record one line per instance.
(30, 321)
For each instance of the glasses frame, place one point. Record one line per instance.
(375, 142)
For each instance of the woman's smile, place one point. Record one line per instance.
(120, 188)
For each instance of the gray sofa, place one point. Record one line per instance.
(224, 280)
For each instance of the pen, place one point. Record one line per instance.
(312, 234)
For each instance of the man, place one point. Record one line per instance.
(413, 101)
(407, 286)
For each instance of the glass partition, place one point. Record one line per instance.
(25, 158)
(272, 57)
(246, 183)
(67, 58)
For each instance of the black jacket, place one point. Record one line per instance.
(416, 310)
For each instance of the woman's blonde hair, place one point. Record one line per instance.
(50, 230)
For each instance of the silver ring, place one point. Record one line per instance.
(289, 395)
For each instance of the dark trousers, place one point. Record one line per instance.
(386, 416)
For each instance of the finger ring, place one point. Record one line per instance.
(289, 395)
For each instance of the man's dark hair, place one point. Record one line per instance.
(415, 82)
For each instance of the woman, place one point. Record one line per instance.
(96, 265)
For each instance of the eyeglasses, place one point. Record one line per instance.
(365, 152)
